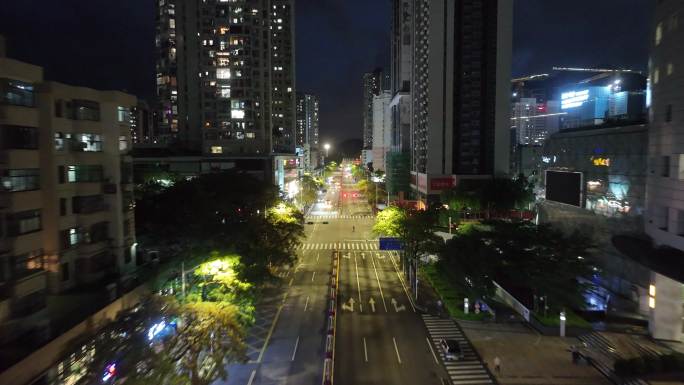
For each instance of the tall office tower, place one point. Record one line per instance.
(461, 92)
(225, 75)
(307, 120)
(66, 209)
(372, 85)
(665, 183)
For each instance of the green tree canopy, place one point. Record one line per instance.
(520, 255)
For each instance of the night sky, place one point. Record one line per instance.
(108, 44)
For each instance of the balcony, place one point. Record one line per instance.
(92, 248)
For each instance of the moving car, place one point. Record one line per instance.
(452, 349)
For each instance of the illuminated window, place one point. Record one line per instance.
(237, 114)
(223, 73)
(670, 69)
(659, 33)
(656, 76)
(250, 135)
(216, 150)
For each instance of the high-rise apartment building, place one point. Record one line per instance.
(225, 75)
(664, 220)
(460, 92)
(307, 120)
(143, 123)
(66, 202)
(382, 129)
(533, 121)
(398, 159)
(372, 85)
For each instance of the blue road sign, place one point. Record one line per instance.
(389, 244)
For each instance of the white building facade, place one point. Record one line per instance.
(382, 130)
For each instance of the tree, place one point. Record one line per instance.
(520, 255)
(389, 221)
(469, 263)
(310, 187)
(220, 212)
(491, 194)
(415, 229)
(167, 342)
(182, 337)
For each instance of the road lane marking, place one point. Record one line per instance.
(358, 283)
(306, 304)
(318, 255)
(379, 285)
(251, 377)
(396, 349)
(365, 351)
(294, 351)
(432, 350)
(270, 331)
(403, 285)
(313, 276)
(291, 279)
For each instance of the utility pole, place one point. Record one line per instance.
(376, 196)
(183, 279)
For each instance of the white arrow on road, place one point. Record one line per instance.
(349, 306)
(372, 303)
(348, 256)
(397, 308)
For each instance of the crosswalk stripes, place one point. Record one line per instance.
(337, 216)
(349, 245)
(468, 371)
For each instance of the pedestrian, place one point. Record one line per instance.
(497, 365)
(353, 228)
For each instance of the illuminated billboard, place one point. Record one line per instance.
(564, 187)
(574, 99)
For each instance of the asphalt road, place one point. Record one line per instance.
(293, 350)
(380, 339)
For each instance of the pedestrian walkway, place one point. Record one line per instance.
(339, 216)
(349, 245)
(470, 369)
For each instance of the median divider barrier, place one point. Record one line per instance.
(329, 346)
(327, 371)
(329, 361)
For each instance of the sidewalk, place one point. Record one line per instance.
(528, 357)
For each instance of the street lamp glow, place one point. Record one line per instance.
(327, 148)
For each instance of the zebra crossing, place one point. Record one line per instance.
(338, 216)
(349, 245)
(468, 371)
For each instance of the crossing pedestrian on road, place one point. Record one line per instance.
(497, 365)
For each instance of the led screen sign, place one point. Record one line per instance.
(573, 99)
